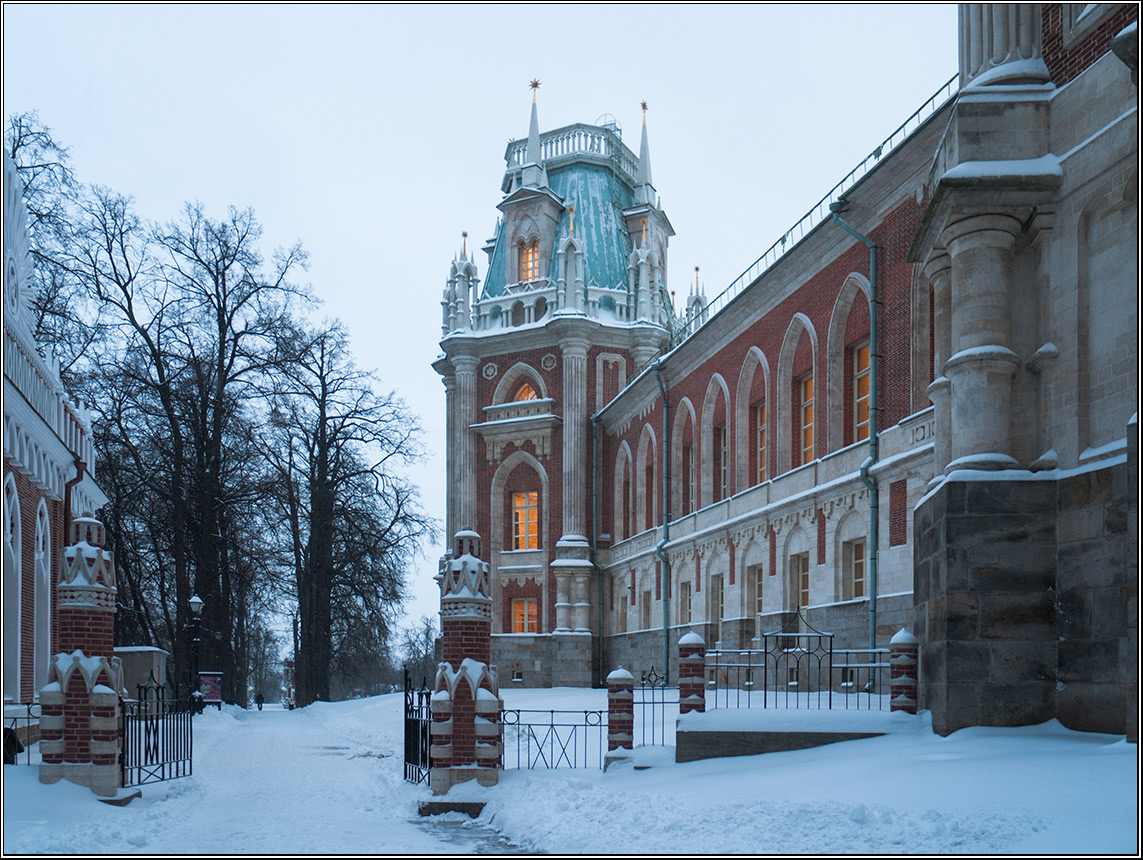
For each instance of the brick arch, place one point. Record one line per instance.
(513, 378)
(799, 325)
(717, 394)
(750, 386)
(841, 336)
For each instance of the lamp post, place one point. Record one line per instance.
(196, 604)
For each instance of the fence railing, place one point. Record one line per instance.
(418, 723)
(157, 736)
(656, 708)
(553, 739)
(21, 732)
(798, 670)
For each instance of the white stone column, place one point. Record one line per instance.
(464, 477)
(581, 611)
(575, 438)
(980, 369)
(938, 269)
(1000, 44)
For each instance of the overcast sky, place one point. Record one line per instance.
(376, 134)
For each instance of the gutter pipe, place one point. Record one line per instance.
(665, 578)
(836, 209)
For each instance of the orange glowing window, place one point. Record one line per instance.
(861, 392)
(526, 392)
(530, 261)
(525, 615)
(525, 521)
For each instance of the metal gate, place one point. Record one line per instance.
(418, 722)
(158, 737)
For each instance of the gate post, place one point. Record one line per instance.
(903, 672)
(620, 715)
(466, 705)
(80, 702)
(692, 666)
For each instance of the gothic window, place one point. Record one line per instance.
(685, 602)
(43, 568)
(861, 392)
(621, 612)
(645, 615)
(525, 615)
(717, 605)
(688, 479)
(761, 452)
(755, 577)
(525, 520)
(721, 464)
(525, 392)
(12, 592)
(800, 580)
(529, 260)
(806, 419)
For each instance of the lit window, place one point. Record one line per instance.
(526, 392)
(760, 441)
(525, 615)
(861, 379)
(685, 602)
(530, 261)
(525, 521)
(807, 423)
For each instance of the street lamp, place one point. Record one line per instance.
(196, 604)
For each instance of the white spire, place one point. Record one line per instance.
(644, 191)
(534, 173)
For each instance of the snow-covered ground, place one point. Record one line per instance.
(328, 779)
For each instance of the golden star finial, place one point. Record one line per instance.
(535, 85)
(464, 241)
(643, 104)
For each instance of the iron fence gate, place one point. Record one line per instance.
(553, 739)
(656, 709)
(158, 736)
(418, 724)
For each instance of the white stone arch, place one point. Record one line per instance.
(496, 497)
(624, 463)
(716, 563)
(853, 526)
(715, 388)
(513, 378)
(13, 569)
(751, 554)
(754, 362)
(684, 412)
(800, 324)
(647, 456)
(855, 285)
(42, 629)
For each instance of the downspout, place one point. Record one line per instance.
(836, 209)
(594, 537)
(80, 471)
(665, 579)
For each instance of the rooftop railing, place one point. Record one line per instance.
(578, 139)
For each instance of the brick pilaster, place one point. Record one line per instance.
(903, 672)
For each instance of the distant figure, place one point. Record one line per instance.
(259, 699)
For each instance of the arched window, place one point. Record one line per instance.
(804, 416)
(43, 628)
(12, 591)
(525, 392)
(522, 505)
(529, 260)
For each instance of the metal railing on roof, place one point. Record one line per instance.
(819, 212)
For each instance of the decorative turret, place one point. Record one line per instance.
(456, 310)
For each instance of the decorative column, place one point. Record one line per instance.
(982, 364)
(80, 702)
(1000, 44)
(464, 477)
(466, 705)
(572, 566)
(692, 668)
(620, 715)
(938, 269)
(903, 672)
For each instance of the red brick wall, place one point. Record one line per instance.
(468, 637)
(1066, 63)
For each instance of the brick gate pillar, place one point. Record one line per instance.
(80, 702)
(692, 667)
(620, 711)
(466, 730)
(903, 672)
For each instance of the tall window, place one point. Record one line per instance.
(525, 520)
(806, 411)
(861, 381)
(645, 615)
(526, 392)
(525, 615)
(688, 478)
(621, 612)
(717, 605)
(800, 574)
(530, 261)
(721, 464)
(855, 562)
(685, 602)
(760, 441)
(755, 579)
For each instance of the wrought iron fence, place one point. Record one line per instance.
(157, 736)
(798, 667)
(656, 707)
(21, 732)
(418, 727)
(553, 739)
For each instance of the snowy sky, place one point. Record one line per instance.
(376, 134)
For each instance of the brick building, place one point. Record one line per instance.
(917, 408)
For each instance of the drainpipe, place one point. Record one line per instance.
(594, 537)
(836, 209)
(80, 471)
(665, 579)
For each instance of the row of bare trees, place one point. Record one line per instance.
(247, 459)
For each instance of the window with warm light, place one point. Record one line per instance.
(525, 615)
(530, 261)
(806, 411)
(526, 392)
(760, 452)
(525, 521)
(861, 383)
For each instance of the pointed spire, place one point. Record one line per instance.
(534, 174)
(645, 191)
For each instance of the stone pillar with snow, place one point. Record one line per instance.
(903, 672)
(620, 715)
(466, 731)
(692, 669)
(80, 702)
